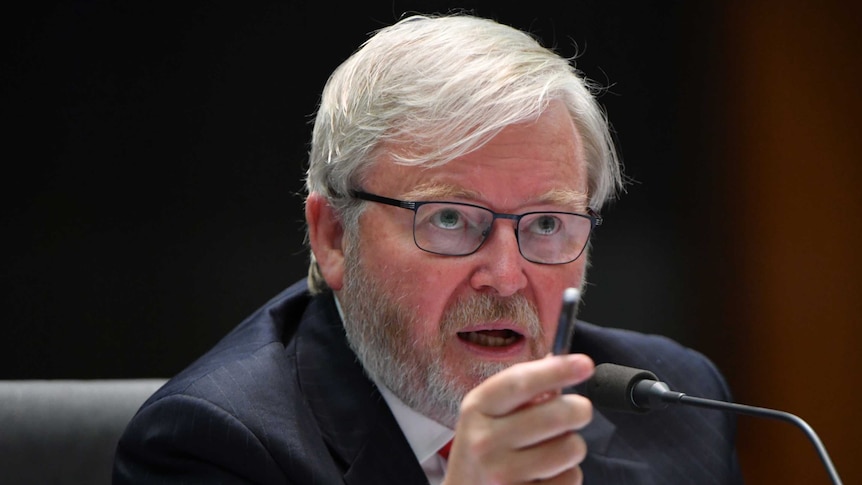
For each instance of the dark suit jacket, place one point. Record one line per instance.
(282, 399)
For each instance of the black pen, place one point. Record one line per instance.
(566, 327)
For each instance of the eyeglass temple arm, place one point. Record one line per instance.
(383, 200)
(596, 216)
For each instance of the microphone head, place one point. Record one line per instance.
(611, 386)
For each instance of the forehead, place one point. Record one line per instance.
(541, 161)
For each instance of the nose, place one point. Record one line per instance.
(499, 264)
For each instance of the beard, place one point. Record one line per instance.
(380, 329)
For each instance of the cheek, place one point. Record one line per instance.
(433, 290)
(421, 283)
(430, 289)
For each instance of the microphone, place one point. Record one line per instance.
(618, 388)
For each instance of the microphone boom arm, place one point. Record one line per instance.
(650, 394)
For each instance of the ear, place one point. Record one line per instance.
(325, 234)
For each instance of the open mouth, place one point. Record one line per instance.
(491, 338)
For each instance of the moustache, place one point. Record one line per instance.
(486, 308)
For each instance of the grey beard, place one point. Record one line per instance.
(378, 328)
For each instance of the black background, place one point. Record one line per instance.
(154, 155)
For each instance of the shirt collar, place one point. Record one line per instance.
(425, 435)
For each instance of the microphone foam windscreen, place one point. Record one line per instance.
(610, 388)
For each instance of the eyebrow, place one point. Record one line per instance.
(567, 197)
(432, 191)
(440, 191)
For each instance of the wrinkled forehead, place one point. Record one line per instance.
(540, 161)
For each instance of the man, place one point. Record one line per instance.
(455, 175)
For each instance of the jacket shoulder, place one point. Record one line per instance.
(236, 414)
(680, 367)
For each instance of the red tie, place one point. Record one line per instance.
(444, 452)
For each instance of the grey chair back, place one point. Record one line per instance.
(65, 431)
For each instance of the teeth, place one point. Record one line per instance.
(489, 340)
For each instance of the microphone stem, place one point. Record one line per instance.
(762, 412)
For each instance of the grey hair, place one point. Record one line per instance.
(434, 88)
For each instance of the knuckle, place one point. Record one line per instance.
(469, 405)
(566, 413)
(572, 476)
(482, 444)
(576, 448)
(581, 410)
(577, 476)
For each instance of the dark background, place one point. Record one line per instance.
(154, 155)
(159, 152)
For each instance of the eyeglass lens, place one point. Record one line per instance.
(457, 230)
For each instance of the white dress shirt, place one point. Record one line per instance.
(425, 436)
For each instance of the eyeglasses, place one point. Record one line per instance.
(458, 229)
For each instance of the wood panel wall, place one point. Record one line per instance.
(792, 129)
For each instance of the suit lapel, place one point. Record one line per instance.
(610, 460)
(356, 423)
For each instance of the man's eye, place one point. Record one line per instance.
(447, 219)
(545, 225)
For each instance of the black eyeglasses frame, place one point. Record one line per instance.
(593, 216)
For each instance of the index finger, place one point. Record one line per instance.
(518, 385)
